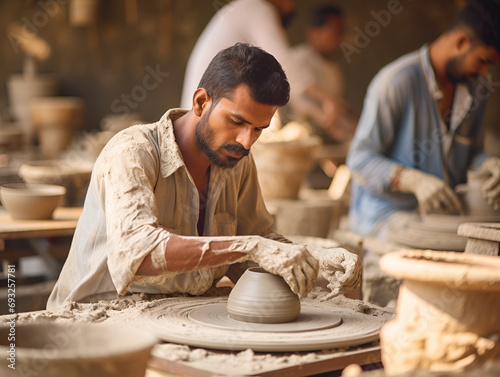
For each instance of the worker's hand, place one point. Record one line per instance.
(293, 262)
(491, 187)
(432, 193)
(331, 119)
(340, 267)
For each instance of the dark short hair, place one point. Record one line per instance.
(250, 65)
(320, 16)
(482, 18)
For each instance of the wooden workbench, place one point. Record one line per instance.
(63, 224)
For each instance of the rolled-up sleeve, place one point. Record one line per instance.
(368, 155)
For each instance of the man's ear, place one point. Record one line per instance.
(201, 101)
(463, 42)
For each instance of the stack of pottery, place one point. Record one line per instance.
(284, 157)
(56, 119)
(23, 88)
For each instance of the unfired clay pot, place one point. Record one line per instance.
(448, 311)
(471, 197)
(262, 297)
(75, 350)
(56, 119)
(283, 166)
(73, 175)
(30, 201)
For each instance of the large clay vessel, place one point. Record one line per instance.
(262, 297)
(283, 166)
(448, 311)
(56, 119)
(75, 350)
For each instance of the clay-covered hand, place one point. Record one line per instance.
(293, 262)
(432, 193)
(340, 267)
(491, 187)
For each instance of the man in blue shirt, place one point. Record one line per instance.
(421, 127)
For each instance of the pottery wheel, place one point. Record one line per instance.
(309, 319)
(171, 322)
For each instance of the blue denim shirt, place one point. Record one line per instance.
(401, 125)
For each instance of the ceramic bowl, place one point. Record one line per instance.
(262, 297)
(73, 175)
(75, 350)
(31, 201)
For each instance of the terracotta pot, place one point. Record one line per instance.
(283, 166)
(448, 311)
(73, 175)
(76, 350)
(33, 202)
(262, 297)
(56, 118)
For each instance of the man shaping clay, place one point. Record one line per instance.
(421, 127)
(166, 200)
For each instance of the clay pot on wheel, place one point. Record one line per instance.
(56, 119)
(447, 316)
(262, 297)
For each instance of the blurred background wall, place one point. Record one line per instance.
(107, 63)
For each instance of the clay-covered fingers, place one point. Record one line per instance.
(305, 273)
(449, 201)
(442, 199)
(491, 190)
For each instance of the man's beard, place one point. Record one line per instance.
(205, 135)
(286, 19)
(454, 74)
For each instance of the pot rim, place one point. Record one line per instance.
(459, 270)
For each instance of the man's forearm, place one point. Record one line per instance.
(185, 254)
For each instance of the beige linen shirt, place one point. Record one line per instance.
(139, 195)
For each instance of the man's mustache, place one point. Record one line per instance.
(236, 148)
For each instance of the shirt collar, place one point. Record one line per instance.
(430, 78)
(170, 154)
(171, 157)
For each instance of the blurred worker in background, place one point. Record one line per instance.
(421, 129)
(316, 56)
